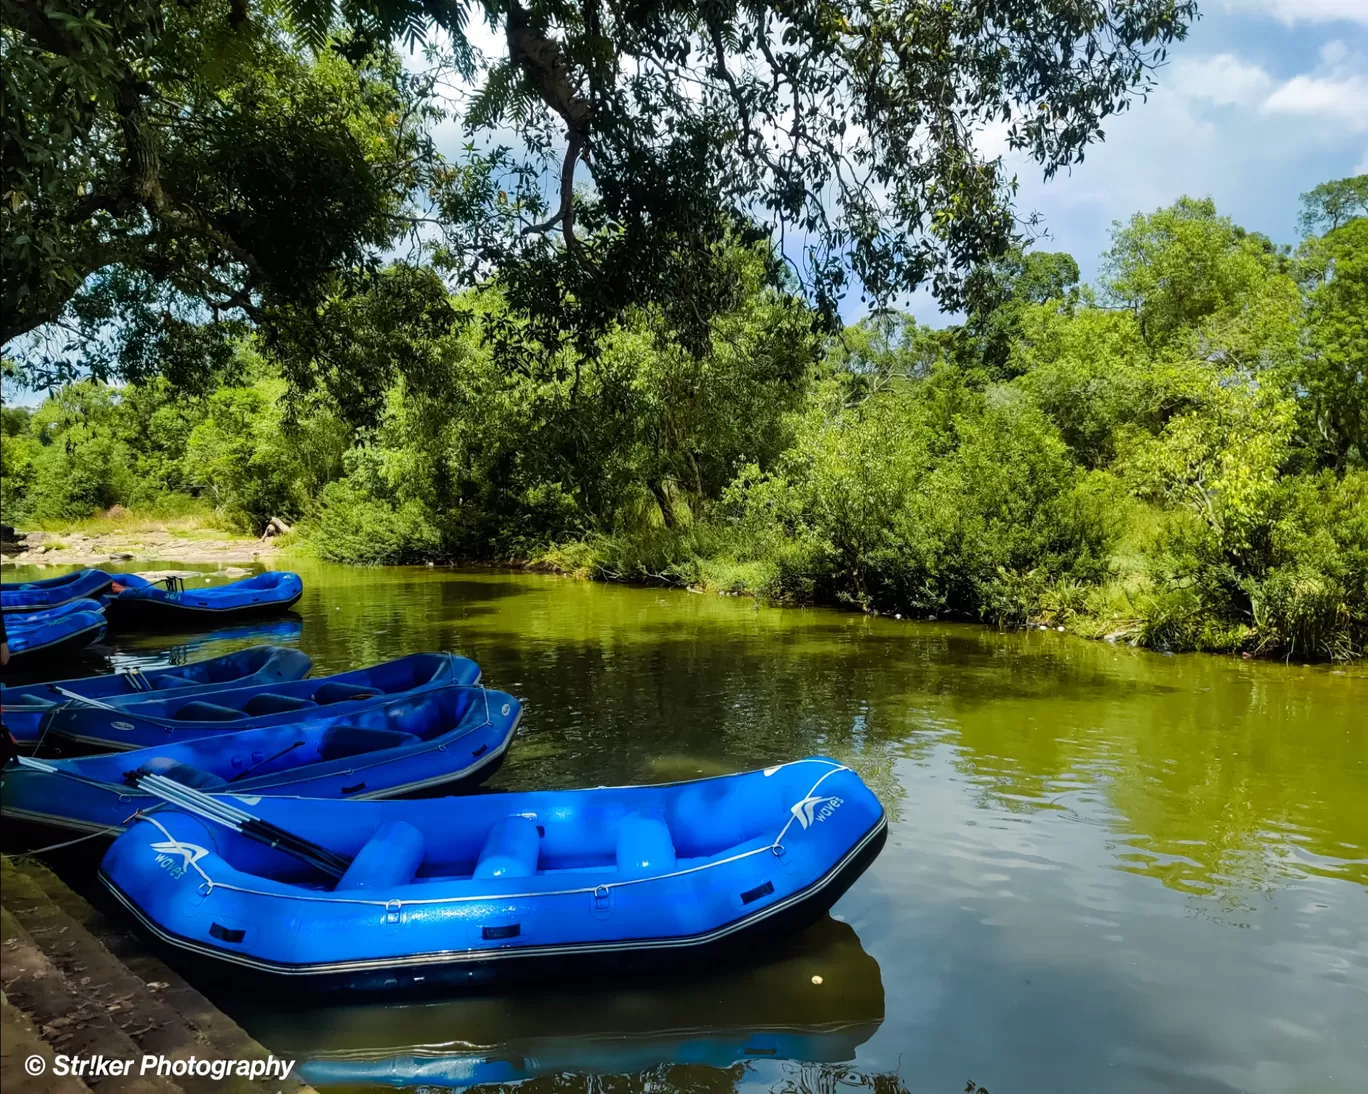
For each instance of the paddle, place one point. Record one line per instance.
(83, 699)
(254, 828)
(268, 759)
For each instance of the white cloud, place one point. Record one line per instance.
(1361, 168)
(1223, 79)
(1343, 100)
(1292, 12)
(1334, 52)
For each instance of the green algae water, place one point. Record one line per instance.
(1107, 869)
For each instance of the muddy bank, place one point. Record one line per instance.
(79, 549)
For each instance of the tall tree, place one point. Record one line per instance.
(1000, 292)
(1334, 203)
(1188, 272)
(1334, 369)
(848, 130)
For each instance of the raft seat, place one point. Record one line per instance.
(268, 702)
(389, 858)
(510, 850)
(335, 692)
(200, 711)
(644, 846)
(339, 742)
(169, 680)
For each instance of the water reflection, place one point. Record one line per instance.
(814, 1000)
(162, 648)
(788, 1078)
(1107, 870)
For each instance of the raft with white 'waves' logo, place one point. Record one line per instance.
(496, 886)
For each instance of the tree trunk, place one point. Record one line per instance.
(663, 500)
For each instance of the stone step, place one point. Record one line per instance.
(155, 1026)
(71, 1022)
(19, 1042)
(130, 948)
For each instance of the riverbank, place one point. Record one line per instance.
(1124, 609)
(103, 548)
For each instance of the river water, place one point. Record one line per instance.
(1107, 869)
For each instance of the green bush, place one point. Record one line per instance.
(865, 509)
(352, 526)
(1311, 601)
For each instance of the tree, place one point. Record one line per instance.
(846, 130)
(1334, 368)
(1186, 272)
(1001, 291)
(138, 138)
(172, 168)
(1333, 203)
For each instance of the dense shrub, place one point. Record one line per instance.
(864, 508)
(352, 526)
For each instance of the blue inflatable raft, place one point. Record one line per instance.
(53, 592)
(51, 615)
(501, 886)
(170, 603)
(22, 708)
(454, 736)
(35, 636)
(159, 719)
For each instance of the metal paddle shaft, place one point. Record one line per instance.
(220, 812)
(84, 700)
(263, 763)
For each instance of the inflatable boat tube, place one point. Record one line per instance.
(159, 719)
(53, 592)
(452, 737)
(24, 707)
(476, 890)
(143, 603)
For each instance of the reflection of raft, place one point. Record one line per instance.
(162, 718)
(52, 592)
(286, 629)
(469, 890)
(144, 603)
(457, 735)
(37, 636)
(25, 706)
(754, 1011)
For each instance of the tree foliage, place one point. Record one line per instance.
(1334, 203)
(1334, 364)
(847, 131)
(173, 172)
(177, 167)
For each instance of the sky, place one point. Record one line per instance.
(1264, 100)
